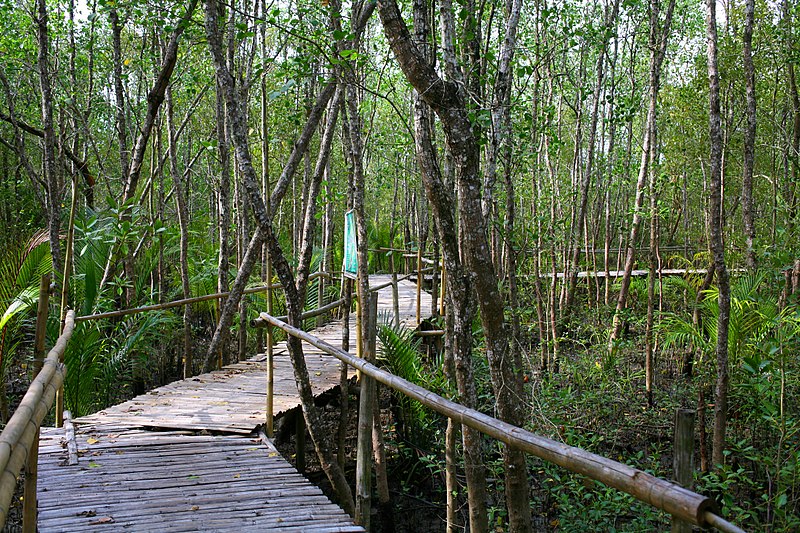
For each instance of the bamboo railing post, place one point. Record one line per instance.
(395, 295)
(683, 459)
(419, 285)
(29, 502)
(365, 421)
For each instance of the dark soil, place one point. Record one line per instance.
(417, 497)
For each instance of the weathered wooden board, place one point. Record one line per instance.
(144, 467)
(143, 480)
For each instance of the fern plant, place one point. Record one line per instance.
(399, 352)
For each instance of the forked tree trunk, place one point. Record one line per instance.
(230, 306)
(460, 307)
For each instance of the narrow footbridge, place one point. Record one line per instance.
(194, 456)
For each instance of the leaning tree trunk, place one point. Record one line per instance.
(446, 100)
(715, 241)
(658, 48)
(295, 294)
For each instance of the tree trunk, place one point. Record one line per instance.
(294, 293)
(459, 290)
(183, 223)
(715, 241)
(51, 180)
(580, 220)
(446, 100)
(658, 46)
(749, 137)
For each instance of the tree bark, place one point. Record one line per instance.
(460, 308)
(50, 170)
(749, 136)
(295, 293)
(183, 223)
(446, 100)
(658, 47)
(715, 241)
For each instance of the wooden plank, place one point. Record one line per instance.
(203, 482)
(143, 467)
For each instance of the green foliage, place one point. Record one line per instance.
(400, 353)
(103, 360)
(22, 265)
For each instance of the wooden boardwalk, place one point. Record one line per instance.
(188, 456)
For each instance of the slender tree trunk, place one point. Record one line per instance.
(749, 136)
(461, 307)
(658, 45)
(446, 100)
(715, 241)
(183, 223)
(51, 174)
(224, 196)
(580, 220)
(119, 95)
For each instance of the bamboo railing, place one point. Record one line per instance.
(19, 439)
(667, 496)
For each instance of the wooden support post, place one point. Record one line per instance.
(65, 290)
(683, 459)
(344, 392)
(395, 295)
(300, 441)
(270, 425)
(30, 510)
(366, 408)
(443, 289)
(320, 297)
(419, 285)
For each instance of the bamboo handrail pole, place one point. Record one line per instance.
(389, 283)
(29, 499)
(15, 428)
(8, 478)
(659, 493)
(187, 301)
(259, 323)
(429, 333)
(720, 523)
(174, 303)
(401, 278)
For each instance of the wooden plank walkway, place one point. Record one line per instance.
(187, 456)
